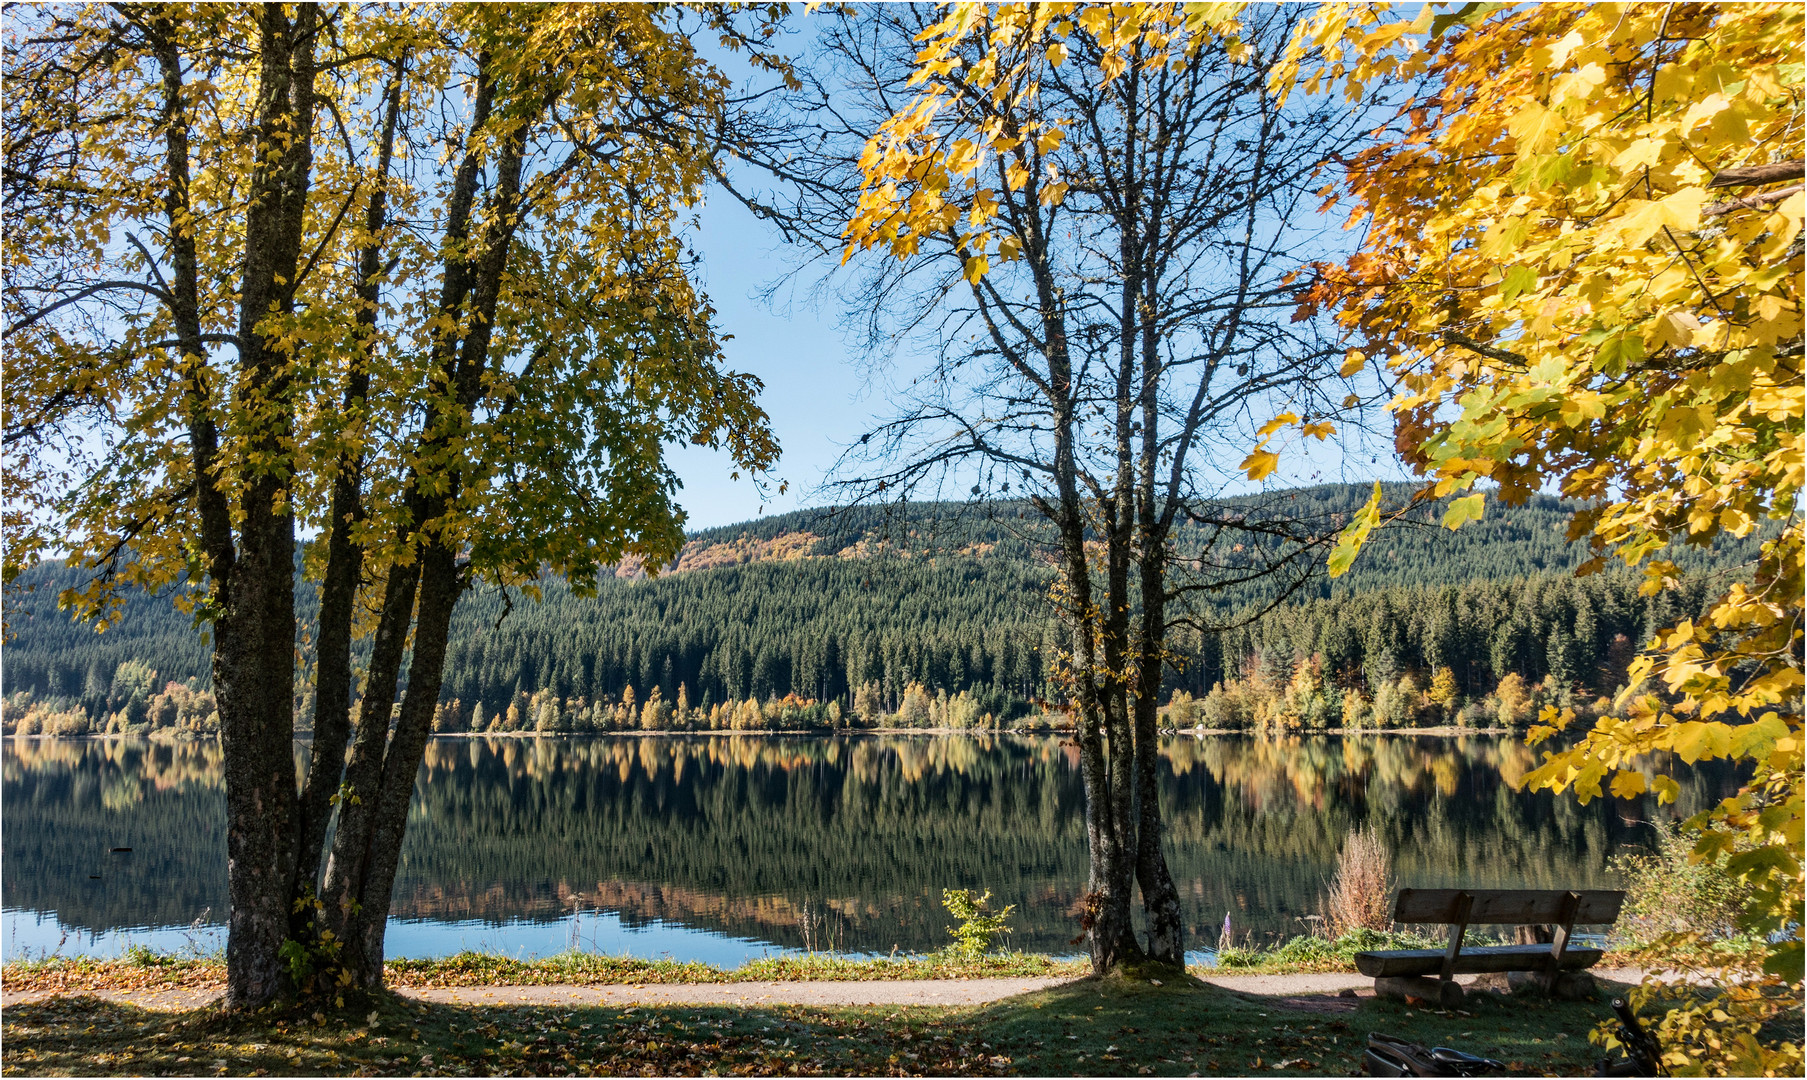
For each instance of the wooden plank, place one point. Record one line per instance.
(1474, 960)
(1507, 906)
(1565, 922)
(1464, 905)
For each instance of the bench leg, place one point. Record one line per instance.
(1451, 994)
(1438, 993)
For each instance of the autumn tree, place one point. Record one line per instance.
(410, 280)
(1582, 260)
(1100, 230)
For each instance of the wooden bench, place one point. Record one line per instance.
(1408, 971)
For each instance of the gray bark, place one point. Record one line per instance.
(344, 561)
(254, 627)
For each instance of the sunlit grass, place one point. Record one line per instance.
(146, 970)
(1085, 1027)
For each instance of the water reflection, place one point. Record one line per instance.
(721, 847)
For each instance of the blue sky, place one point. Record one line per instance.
(817, 399)
(820, 398)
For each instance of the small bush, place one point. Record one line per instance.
(1666, 891)
(979, 925)
(144, 956)
(1234, 957)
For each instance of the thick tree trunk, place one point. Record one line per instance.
(254, 630)
(1160, 898)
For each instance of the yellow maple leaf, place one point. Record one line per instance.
(1260, 464)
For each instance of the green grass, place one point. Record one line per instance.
(1115, 1027)
(1311, 953)
(468, 969)
(144, 970)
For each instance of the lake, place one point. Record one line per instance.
(724, 848)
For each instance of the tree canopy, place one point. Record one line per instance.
(412, 280)
(1582, 262)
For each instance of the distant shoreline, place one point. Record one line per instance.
(1441, 731)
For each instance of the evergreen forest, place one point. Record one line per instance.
(936, 615)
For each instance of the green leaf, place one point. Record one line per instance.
(1618, 353)
(1349, 543)
(1464, 510)
(1786, 960)
(1466, 15)
(1758, 740)
(1519, 279)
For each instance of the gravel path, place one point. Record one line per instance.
(828, 994)
(883, 992)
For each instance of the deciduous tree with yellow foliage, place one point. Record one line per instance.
(1583, 263)
(411, 279)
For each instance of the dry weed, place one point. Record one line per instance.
(1361, 894)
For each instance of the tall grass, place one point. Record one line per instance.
(1361, 893)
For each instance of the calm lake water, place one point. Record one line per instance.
(726, 848)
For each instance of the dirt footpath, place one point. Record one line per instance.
(822, 994)
(878, 992)
(826, 994)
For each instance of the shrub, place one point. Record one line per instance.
(979, 925)
(1182, 710)
(1227, 708)
(1514, 702)
(869, 704)
(1667, 891)
(914, 711)
(1445, 691)
(1393, 705)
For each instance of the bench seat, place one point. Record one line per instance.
(1472, 960)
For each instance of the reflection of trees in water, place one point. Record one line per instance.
(69, 802)
(737, 833)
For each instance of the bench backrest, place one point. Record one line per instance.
(1506, 906)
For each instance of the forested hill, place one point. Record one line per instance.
(1509, 542)
(818, 604)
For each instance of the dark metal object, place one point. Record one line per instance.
(1390, 1056)
(1643, 1055)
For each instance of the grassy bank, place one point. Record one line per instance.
(143, 970)
(1086, 1028)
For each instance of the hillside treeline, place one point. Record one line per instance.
(1487, 653)
(932, 617)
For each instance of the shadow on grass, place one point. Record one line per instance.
(1130, 1029)
(1084, 1028)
